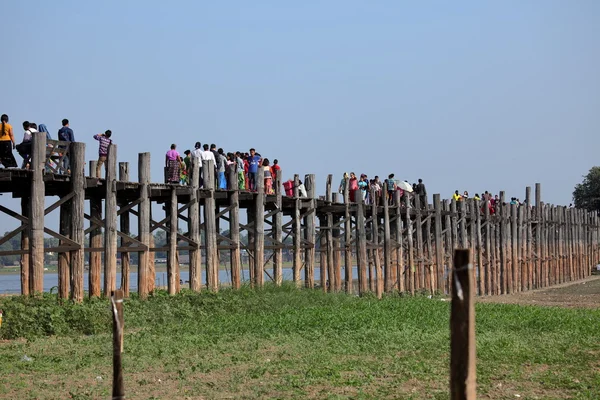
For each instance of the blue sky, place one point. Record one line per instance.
(466, 95)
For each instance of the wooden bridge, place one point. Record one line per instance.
(402, 246)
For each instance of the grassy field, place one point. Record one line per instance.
(288, 343)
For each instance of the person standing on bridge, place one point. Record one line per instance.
(103, 146)
(172, 164)
(65, 134)
(7, 144)
(422, 193)
(253, 164)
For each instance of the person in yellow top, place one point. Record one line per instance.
(477, 197)
(456, 196)
(7, 144)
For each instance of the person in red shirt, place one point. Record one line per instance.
(274, 168)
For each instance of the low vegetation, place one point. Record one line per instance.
(289, 343)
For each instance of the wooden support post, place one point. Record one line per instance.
(278, 231)
(144, 224)
(310, 233)
(420, 271)
(462, 330)
(348, 264)
(234, 232)
(95, 257)
(210, 227)
(495, 269)
(430, 264)
(64, 258)
(36, 212)
(439, 246)
(538, 235)
(375, 236)
(361, 244)
(118, 390)
(481, 273)
(504, 256)
(397, 275)
(125, 228)
(409, 248)
(488, 248)
(329, 240)
(387, 243)
(77, 219)
(449, 253)
(172, 260)
(110, 232)
(323, 266)
(25, 246)
(528, 239)
(297, 227)
(522, 248)
(259, 229)
(336, 248)
(251, 218)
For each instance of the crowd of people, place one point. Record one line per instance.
(372, 190)
(245, 164)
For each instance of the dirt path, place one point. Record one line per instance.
(580, 294)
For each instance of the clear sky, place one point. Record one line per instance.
(470, 95)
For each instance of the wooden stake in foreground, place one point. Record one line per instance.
(118, 392)
(462, 329)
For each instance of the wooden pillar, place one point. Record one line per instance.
(36, 209)
(125, 228)
(336, 248)
(420, 272)
(329, 239)
(77, 219)
(504, 257)
(172, 260)
(538, 235)
(387, 243)
(144, 224)
(64, 257)
(234, 232)
(210, 226)
(409, 247)
(348, 264)
(398, 273)
(110, 233)
(430, 265)
(439, 246)
(528, 239)
(462, 330)
(361, 244)
(310, 233)
(323, 265)
(25, 246)
(297, 228)
(376, 256)
(95, 257)
(251, 217)
(478, 247)
(449, 253)
(278, 231)
(488, 248)
(514, 248)
(522, 249)
(259, 229)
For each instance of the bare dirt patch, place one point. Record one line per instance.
(580, 294)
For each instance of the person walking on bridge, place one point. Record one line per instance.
(103, 146)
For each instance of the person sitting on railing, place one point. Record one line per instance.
(105, 142)
(24, 148)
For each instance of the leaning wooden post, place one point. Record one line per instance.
(278, 231)
(36, 208)
(110, 233)
(25, 246)
(387, 245)
(210, 226)
(77, 219)
(234, 232)
(125, 228)
(462, 329)
(172, 263)
(361, 244)
(144, 223)
(64, 258)
(118, 391)
(95, 257)
(310, 233)
(259, 229)
(297, 227)
(439, 247)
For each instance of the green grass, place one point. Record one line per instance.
(289, 343)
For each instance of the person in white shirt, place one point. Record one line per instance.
(205, 156)
(197, 152)
(24, 148)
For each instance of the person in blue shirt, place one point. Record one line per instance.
(65, 134)
(253, 164)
